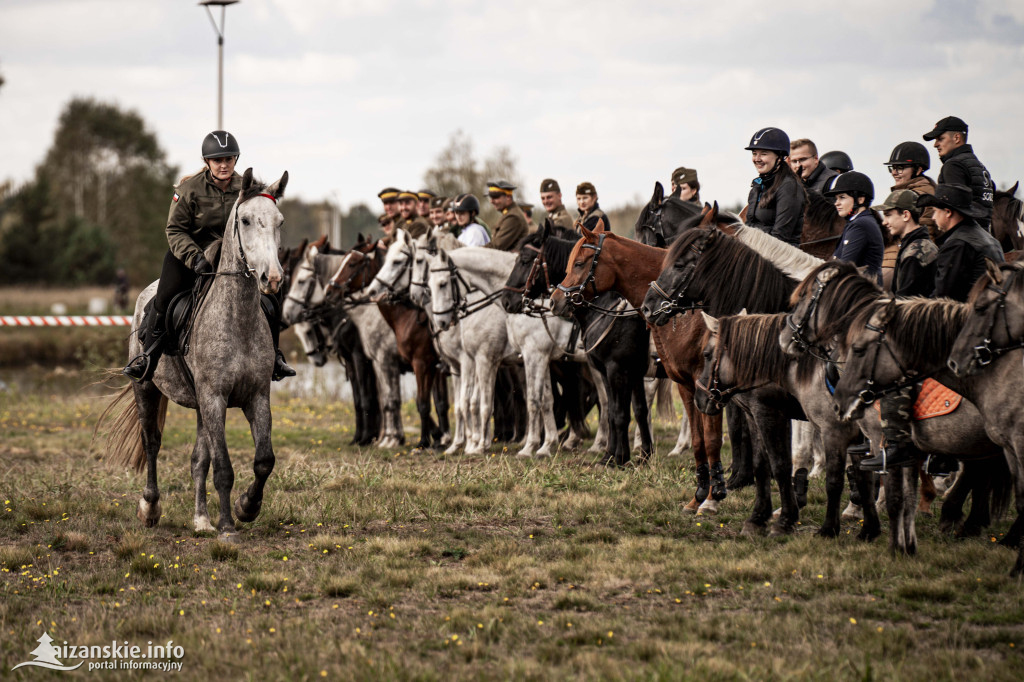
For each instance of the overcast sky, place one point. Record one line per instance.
(353, 95)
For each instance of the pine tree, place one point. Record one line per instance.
(45, 652)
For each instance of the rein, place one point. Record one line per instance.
(984, 353)
(869, 394)
(672, 303)
(716, 395)
(460, 303)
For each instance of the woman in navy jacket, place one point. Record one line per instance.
(861, 242)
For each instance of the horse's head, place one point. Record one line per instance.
(257, 232)
(353, 274)
(529, 277)
(1008, 218)
(304, 292)
(587, 274)
(648, 228)
(422, 257)
(445, 297)
(869, 362)
(823, 304)
(715, 373)
(395, 274)
(996, 320)
(672, 290)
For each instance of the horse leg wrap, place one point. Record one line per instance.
(718, 492)
(703, 483)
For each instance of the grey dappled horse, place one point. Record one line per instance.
(230, 359)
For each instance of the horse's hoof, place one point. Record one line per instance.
(969, 531)
(149, 514)
(453, 449)
(853, 512)
(752, 530)
(242, 509)
(780, 530)
(867, 535)
(691, 507)
(708, 507)
(202, 524)
(828, 532)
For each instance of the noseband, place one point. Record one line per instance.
(869, 394)
(575, 293)
(673, 302)
(984, 353)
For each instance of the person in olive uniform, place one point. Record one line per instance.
(409, 218)
(685, 184)
(777, 196)
(437, 211)
(512, 226)
(198, 216)
(389, 199)
(551, 200)
(960, 166)
(425, 195)
(527, 210)
(591, 215)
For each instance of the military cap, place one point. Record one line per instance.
(500, 187)
(683, 175)
(901, 199)
(527, 208)
(950, 124)
(954, 197)
(408, 194)
(426, 194)
(388, 194)
(550, 185)
(437, 202)
(586, 188)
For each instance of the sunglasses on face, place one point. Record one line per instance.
(898, 168)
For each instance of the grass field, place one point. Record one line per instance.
(367, 564)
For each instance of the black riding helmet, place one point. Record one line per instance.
(837, 161)
(910, 154)
(466, 203)
(853, 183)
(218, 144)
(770, 139)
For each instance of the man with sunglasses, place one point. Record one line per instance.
(907, 164)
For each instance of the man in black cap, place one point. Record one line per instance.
(512, 226)
(960, 166)
(410, 219)
(963, 243)
(591, 215)
(551, 200)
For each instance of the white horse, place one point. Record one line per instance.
(307, 290)
(464, 286)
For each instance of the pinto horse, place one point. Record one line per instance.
(603, 261)
(413, 334)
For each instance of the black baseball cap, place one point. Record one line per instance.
(950, 124)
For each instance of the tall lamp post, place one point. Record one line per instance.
(220, 53)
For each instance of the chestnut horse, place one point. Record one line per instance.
(415, 341)
(602, 261)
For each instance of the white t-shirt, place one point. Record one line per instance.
(474, 235)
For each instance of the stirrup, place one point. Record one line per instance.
(282, 369)
(144, 371)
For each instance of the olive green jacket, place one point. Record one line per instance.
(510, 229)
(199, 213)
(561, 218)
(416, 227)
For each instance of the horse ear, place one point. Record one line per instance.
(246, 180)
(587, 234)
(276, 190)
(710, 322)
(714, 209)
(743, 313)
(313, 251)
(995, 273)
(1013, 190)
(545, 231)
(887, 312)
(659, 193)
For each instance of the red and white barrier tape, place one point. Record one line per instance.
(66, 321)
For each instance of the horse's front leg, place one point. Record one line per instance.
(538, 379)
(200, 464)
(150, 403)
(248, 504)
(213, 411)
(424, 382)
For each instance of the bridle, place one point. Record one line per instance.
(460, 302)
(539, 265)
(984, 353)
(673, 302)
(362, 268)
(247, 270)
(575, 293)
(869, 394)
(716, 395)
(392, 286)
(799, 329)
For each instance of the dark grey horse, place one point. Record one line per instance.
(229, 362)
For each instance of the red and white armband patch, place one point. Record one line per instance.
(175, 197)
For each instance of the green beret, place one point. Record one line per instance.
(683, 175)
(586, 188)
(550, 185)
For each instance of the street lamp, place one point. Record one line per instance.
(220, 53)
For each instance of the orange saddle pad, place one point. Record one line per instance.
(935, 400)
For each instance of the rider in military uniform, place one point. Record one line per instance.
(960, 166)
(389, 199)
(512, 226)
(437, 211)
(551, 200)
(410, 219)
(198, 216)
(591, 215)
(425, 196)
(685, 185)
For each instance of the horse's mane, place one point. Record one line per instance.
(445, 239)
(822, 212)
(923, 328)
(752, 342)
(845, 295)
(786, 257)
(255, 189)
(734, 275)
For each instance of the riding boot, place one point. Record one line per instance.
(272, 309)
(893, 455)
(143, 366)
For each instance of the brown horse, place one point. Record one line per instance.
(1008, 219)
(601, 262)
(415, 341)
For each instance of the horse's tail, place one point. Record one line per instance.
(124, 438)
(666, 403)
